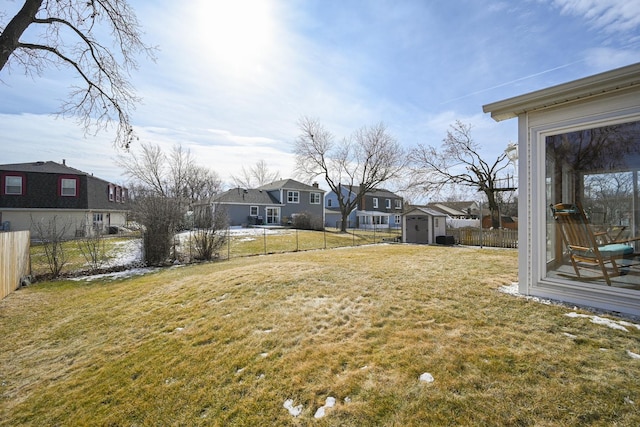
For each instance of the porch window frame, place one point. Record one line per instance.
(541, 284)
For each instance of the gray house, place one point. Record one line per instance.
(276, 203)
(379, 208)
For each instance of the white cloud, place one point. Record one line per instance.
(608, 15)
(604, 58)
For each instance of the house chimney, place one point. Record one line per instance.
(64, 162)
(315, 185)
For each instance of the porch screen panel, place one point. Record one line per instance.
(596, 170)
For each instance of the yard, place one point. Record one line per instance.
(356, 336)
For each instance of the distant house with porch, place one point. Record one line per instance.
(379, 208)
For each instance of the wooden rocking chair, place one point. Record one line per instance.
(588, 247)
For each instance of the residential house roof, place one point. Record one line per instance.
(43, 167)
(452, 208)
(246, 196)
(289, 184)
(375, 192)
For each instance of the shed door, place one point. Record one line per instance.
(417, 229)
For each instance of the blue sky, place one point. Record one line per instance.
(232, 78)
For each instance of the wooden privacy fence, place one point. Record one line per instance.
(501, 238)
(14, 260)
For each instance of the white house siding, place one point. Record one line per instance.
(613, 101)
(76, 222)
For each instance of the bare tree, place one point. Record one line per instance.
(164, 188)
(71, 33)
(255, 176)
(351, 167)
(175, 175)
(93, 249)
(52, 234)
(210, 233)
(458, 162)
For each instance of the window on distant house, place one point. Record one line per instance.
(97, 221)
(118, 194)
(293, 196)
(111, 193)
(435, 222)
(388, 203)
(398, 204)
(124, 195)
(398, 219)
(253, 211)
(68, 186)
(13, 185)
(329, 203)
(314, 198)
(375, 203)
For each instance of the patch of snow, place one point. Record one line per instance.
(568, 335)
(264, 354)
(293, 410)
(179, 329)
(347, 399)
(629, 401)
(117, 275)
(329, 403)
(633, 355)
(613, 324)
(128, 252)
(427, 378)
(319, 413)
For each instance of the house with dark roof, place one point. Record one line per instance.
(276, 203)
(41, 192)
(379, 208)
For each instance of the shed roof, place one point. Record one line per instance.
(598, 84)
(424, 210)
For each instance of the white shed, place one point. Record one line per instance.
(423, 225)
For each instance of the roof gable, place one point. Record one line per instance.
(289, 184)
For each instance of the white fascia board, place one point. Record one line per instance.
(609, 81)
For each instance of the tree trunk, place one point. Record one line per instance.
(345, 219)
(494, 208)
(10, 37)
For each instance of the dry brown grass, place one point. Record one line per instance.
(227, 343)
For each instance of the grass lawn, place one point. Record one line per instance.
(228, 343)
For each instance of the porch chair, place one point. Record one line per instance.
(596, 249)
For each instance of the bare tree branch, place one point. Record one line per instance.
(458, 162)
(65, 32)
(351, 168)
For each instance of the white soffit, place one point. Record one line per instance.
(609, 81)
